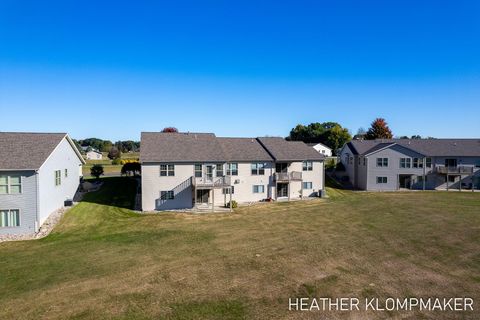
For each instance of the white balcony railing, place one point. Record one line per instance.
(288, 176)
(212, 182)
(454, 170)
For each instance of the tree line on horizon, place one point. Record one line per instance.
(334, 136)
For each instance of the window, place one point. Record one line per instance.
(307, 185)
(417, 163)
(10, 184)
(198, 170)
(227, 190)
(281, 167)
(428, 162)
(323, 151)
(167, 170)
(167, 195)
(258, 189)
(66, 173)
(307, 165)
(258, 169)
(381, 179)
(405, 162)
(232, 169)
(9, 218)
(382, 162)
(58, 177)
(219, 171)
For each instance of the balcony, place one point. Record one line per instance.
(466, 170)
(209, 183)
(288, 176)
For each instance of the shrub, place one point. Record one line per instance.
(234, 204)
(131, 168)
(340, 167)
(330, 164)
(96, 170)
(116, 161)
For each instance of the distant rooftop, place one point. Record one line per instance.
(426, 147)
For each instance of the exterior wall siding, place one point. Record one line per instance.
(153, 184)
(52, 197)
(26, 202)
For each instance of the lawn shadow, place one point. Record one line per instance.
(116, 191)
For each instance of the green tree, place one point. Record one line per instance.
(330, 134)
(379, 130)
(114, 153)
(96, 170)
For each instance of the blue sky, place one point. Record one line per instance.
(111, 69)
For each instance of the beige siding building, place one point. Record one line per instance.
(200, 170)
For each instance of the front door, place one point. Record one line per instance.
(209, 172)
(452, 163)
(202, 195)
(282, 190)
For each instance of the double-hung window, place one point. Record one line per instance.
(10, 184)
(307, 185)
(417, 162)
(167, 170)
(9, 218)
(66, 173)
(198, 170)
(258, 189)
(381, 180)
(167, 195)
(307, 165)
(258, 169)
(405, 162)
(58, 177)
(232, 169)
(219, 170)
(382, 162)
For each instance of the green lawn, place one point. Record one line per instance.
(104, 261)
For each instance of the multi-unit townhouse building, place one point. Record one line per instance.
(200, 170)
(38, 172)
(421, 164)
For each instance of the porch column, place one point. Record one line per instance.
(460, 183)
(195, 203)
(231, 199)
(447, 179)
(213, 200)
(424, 172)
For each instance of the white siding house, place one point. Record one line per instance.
(322, 149)
(420, 164)
(198, 170)
(94, 155)
(38, 172)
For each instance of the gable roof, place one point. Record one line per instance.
(206, 147)
(180, 147)
(243, 149)
(28, 151)
(313, 144)
(283, 150)
(427, 147)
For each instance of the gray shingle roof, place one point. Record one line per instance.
(206, 147)
(26, 151)
(283, 150)
(243, 149)
(427, 147)
(180, 147)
